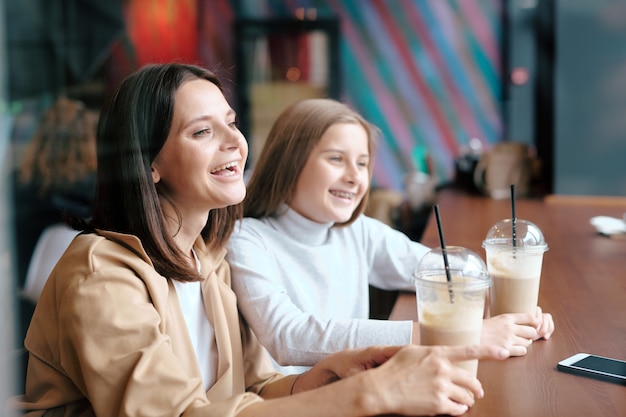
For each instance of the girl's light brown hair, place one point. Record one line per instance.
(291, 139)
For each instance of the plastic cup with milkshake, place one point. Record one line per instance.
(514, 251)
(451, 303)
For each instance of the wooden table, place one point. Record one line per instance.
(583, 286)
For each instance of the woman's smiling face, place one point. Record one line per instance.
(336, 175)
(200, 166)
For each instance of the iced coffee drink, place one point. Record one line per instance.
(450, 308)
(514, 266)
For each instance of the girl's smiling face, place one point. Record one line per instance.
(336, 175)
(200, 166)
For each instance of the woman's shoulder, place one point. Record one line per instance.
(103, 250)
(99, 260)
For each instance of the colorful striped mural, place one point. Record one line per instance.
(426, 72)
(433, 81)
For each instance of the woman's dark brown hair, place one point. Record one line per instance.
(134, 123)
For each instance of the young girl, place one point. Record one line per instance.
(138, 318)
(304, 255)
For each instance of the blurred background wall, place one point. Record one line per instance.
(432, 74)
(427, 72)
(8, 323)
(590, 97)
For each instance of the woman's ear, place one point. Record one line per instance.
(155, 174)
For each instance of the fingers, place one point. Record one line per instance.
(428, 382)
(463, 392)
(457, 409)
(510, 328)
(447, 388)
(368, 358)
(502, 331)
(519, 343)
(463, 353)
(542, 323)
(546, 328)
(374, 356)
(467, 388)
(524, 319)
(524, 331)
(352, 361)
(546, 332)
(520, 349)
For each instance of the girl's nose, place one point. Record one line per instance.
(351, 173)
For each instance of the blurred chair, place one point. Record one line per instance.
(49, 248)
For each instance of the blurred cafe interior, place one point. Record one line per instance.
(466, 93)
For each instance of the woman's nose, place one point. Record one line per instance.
(235, 139)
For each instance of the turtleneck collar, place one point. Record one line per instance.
(299, 228)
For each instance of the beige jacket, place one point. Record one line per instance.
(108, 338)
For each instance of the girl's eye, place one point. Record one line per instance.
(335, 158)
(363, 164)
(233, 125)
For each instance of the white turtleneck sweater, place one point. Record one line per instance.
(303, 288)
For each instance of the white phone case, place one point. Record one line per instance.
(600, 367)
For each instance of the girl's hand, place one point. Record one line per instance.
(546, 328)
(516, 331)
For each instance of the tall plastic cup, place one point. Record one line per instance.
(514, 259)
(450, 312)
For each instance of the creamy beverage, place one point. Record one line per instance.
(514, 253)
(513, 295)
(515, 278)
(432, 335)
(451, 314)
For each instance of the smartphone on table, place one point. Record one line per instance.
(594, 366)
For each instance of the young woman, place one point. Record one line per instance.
(138, 318)
(304, 254)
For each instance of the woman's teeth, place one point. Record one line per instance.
(223, 167)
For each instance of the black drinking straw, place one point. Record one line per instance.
(443, 251)
(513, 217)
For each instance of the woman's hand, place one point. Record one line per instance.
(516, 331)
(344, 364)
(424, 380)
(410, 380)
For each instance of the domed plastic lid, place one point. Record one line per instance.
(526, 236)
(462, 261)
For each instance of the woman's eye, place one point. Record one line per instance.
(202, 132)
(364, 164)
(233, 125)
